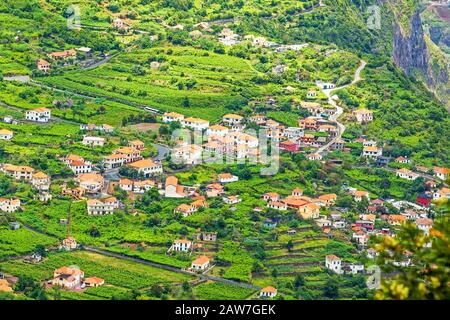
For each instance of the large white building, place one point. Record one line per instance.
(147, 167)
(38, 115)
(195, 123)
(93, 141)
(102, 206)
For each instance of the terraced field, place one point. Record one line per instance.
(212, 83)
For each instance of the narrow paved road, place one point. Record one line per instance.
(339, 110)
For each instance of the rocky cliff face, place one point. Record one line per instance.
(417, 55)
(410, 51)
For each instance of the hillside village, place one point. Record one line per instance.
(102, 175)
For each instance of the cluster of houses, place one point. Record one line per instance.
(64, 56)
(307, 207)
(39, 181)
(72, 278)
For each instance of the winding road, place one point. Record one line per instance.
(339, 110)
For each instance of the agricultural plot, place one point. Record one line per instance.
(115, 271)
(221, 291)
(191, 81)
(21, 241)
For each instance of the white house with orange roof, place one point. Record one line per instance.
(217, 130)
(136, 144)
(126, 184)
(77, 164)
(358, 195)
(185, 209)
(309, 211)
(402, 160)
(424, 224)
(147, 167)
(18, 172)
(441, 173)
(329, 199)
(172, 189)
(227, 177)
(232, 119)
(407, 174)
(231, 200)
(333, 263)
(102, 206)
(114, 160)
(44, 65)
(182, 245)
(195, 123)
(68, 277)
(143, 186)
(130, 154)
(40, 181)
(268, 292)
(91, 182)
(187, 154)
(372, 152)
(200, 264)
(169, 117)
(441, 193)
(271, 196)
(38, 115)
(9, 205)
(6, 134)
(281, 206)
(93, 282)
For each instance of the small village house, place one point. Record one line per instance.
(6, 134)
(93, 141)
(333, 263)
(441, 173)
(227, 178)
(181, 245)
(200, 264)
(91, 182)
(9, 205)
(102, 206)
(372, 152)
(195, 123)
(268, 292)
(407, 174)
(147, 167)
(40, 181)
(231, 200)
(38, 115)
(169, 117)
(18, 172)
(77, 164)
(43, 65)
(309, 211)
(68, 277)
(94, 282)
(232, 119)
(136, 144)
